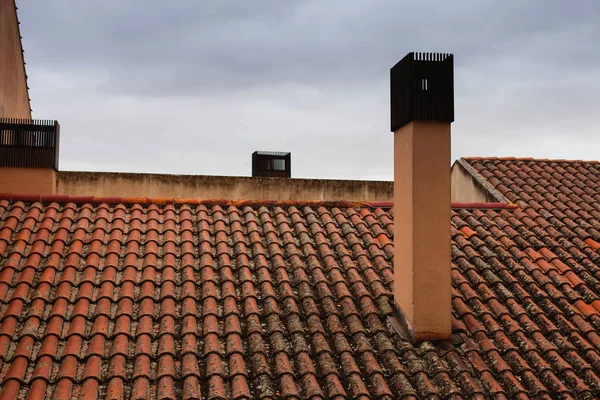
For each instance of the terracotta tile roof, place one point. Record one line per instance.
(284, 301)
(565, 193)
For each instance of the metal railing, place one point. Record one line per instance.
(29, 143)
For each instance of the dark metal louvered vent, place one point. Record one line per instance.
(271, 164)
(26, 143)
(422, 89)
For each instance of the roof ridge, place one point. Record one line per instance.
(557, 160)
(227, 202)
(479, 179)
(178, 201)
(486, 206)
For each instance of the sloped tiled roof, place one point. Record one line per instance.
(569, 190)
(225, 301)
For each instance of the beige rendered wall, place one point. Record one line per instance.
(27, 180)
(206, 187)
(14, 99)
(422, 280)
(466, 189)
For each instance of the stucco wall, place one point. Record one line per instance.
(14, 99)
(202, 186)
(466, 189)
(27, 180)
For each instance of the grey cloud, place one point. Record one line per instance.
(195, 87)
(159, 47)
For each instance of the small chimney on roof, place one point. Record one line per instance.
(28, 155)
(422, 109)
(271, 164)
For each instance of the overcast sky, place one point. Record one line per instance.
(194, 87)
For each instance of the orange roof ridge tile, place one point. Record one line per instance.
(179, 201)
(228, 202)
(493, 205)
(486, 206)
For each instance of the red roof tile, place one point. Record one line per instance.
(240, 300)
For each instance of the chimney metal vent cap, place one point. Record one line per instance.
(275, 164)
(422, 89)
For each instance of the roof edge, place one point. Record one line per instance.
(485, 206)
(58, 198)
(480, 180)
(456, 205)
(556, 160)
(178, 201)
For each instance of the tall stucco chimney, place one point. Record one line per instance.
(422, 109)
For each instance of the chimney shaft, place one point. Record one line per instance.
(422, 109)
